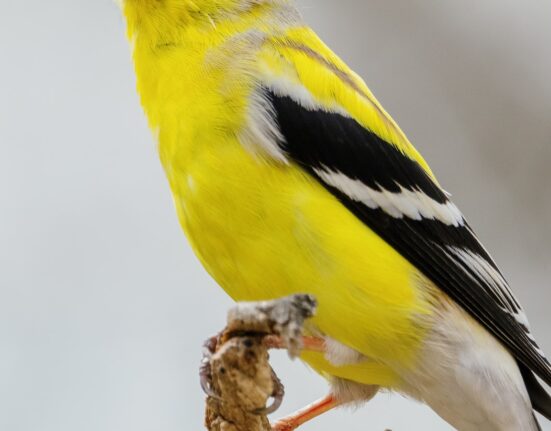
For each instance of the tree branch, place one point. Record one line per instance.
(236, 366)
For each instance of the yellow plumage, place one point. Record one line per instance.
(262, 228)
(289, 177)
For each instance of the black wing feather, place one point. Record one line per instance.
(317, 140)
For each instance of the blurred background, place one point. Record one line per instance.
(103, 307)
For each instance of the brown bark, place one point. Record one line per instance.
(240, 372)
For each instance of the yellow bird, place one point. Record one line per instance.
(289, 177)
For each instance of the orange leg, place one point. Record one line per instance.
(306, 414)
(310, 344)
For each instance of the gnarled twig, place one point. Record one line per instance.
(236, 369)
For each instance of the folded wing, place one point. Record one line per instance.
(398, 199)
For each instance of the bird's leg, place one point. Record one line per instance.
(317, 408)
(306, 414)
(309, 344)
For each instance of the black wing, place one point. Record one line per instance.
(396, 198)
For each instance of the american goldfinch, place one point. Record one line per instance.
(289, 177)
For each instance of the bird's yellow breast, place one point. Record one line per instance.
(265, 231)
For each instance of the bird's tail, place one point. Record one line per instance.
(541, 400)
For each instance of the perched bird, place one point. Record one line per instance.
(289, 177)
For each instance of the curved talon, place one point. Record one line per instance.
(210, 344)
(205, 377)
(277, 395)
(205, 373)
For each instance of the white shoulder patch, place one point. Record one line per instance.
(261, 134)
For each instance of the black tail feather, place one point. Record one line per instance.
(541, 400)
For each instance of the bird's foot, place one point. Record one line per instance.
(273, 324)
(205, 371)
(310, 412)
(277, 395)
(283, 318)
(310, 344)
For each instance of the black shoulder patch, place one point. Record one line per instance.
(331, 140)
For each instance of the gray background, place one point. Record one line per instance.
(103, 307)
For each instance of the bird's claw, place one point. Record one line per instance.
(277, 395)
(205, 372)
